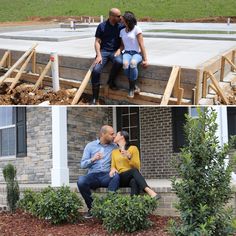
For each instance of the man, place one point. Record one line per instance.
(108, 48)
(97, 159)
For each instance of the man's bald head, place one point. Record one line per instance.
(114, 16)
(114, 12)
(106, 134)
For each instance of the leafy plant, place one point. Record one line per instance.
(122, 212)
(58, 205)
(9, 174)
(204, 186)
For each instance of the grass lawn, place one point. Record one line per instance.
(20, 10)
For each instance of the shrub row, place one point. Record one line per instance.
(122, 212)
(58, 205)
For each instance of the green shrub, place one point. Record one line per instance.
(58, 205)
(122, 212)
(9, 174)
(204, 186)
(29, 201)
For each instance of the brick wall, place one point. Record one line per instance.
(83, 127)
(36, 166)
(156, 142)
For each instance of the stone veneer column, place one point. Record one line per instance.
(60, 170)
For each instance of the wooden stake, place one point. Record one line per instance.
(17, 78)
(222, 71)
(34, 62)
(4, 58)
(170, 85)
(40, 79)
(204, 85)
(21, 59)
(83, 85)
(217, 87)
(231, 63)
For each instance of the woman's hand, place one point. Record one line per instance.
(126, 154)
(145, 64)
(113, 172)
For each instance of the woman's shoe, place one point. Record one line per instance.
(137, 89)
(131, 93)
(157, 197)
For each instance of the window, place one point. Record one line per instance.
(231, 114)
(128, 120)
(12, 131)
(7, 132)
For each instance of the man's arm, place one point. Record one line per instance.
(87, 161)
(97, 46)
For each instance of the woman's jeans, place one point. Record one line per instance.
(131, 60)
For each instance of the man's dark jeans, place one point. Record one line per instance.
(96, 180)
(116, 66)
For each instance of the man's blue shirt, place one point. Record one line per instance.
(102, 165)
(109, 35)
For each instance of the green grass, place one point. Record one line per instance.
(19, 10)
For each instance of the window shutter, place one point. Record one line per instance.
(178, 121)
(21, 142)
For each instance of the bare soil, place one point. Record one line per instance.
(23, 95)
(36, 20)
(24, 224)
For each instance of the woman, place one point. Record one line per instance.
(126, 162)
(132, 39)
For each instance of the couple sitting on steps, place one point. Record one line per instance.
(112, 163)
(119, 40)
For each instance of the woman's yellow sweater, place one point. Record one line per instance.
(122, 163)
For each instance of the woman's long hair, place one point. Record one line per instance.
(125, 134)
(130, 20)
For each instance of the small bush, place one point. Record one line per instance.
(122, 212)
(29, 201)
(58, 205)
(13, 193)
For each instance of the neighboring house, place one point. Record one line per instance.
(46, 143)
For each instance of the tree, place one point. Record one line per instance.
(204, 186)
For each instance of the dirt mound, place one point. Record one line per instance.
(24, 95)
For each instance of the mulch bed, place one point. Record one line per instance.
(24, 224)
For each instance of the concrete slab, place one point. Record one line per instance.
(161, 51)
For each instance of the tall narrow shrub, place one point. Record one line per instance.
(204, 185)
(9, 174)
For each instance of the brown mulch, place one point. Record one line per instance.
(24, 95)
(24, 224)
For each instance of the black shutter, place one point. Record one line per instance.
(231, 114)
(21, 144)
(178, 121)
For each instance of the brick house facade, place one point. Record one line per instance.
(153, 131)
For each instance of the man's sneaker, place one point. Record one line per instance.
(131, 93)
(88, 215)
(137, 89)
